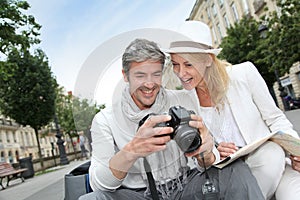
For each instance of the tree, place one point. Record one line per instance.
(63, 110)
(283, 41)
(18, 30)
(242, 44)
(83, 112)
(27, 90)
(74, 114)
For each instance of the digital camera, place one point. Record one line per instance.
(187, 138)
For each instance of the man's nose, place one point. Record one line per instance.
(149, 84)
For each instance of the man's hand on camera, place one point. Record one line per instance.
(146, 140)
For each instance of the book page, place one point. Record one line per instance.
(286, 141)
(243, 151)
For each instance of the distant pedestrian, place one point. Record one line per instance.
(82, 145)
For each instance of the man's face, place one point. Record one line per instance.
(144, 82)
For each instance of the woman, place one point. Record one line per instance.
(237, 107)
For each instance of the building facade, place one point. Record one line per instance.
(18, 142)
(222, 14)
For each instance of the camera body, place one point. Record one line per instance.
(187, 138)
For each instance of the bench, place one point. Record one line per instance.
(7, 170)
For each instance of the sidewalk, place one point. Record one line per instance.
(294, 117)
(48, 186)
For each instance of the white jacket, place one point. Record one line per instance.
(252, 105)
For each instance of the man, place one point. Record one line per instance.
(143, 162)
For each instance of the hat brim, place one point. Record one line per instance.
(192, 50)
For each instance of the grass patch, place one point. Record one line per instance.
(45, 172)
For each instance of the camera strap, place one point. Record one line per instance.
(151, 181)
(208, 188)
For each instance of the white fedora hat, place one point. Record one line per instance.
(198, 39)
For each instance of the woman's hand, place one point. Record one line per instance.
(295, 162)
(226, 149)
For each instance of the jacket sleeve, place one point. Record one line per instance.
(101, 177)
(270, 113)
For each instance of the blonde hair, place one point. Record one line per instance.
(215, 75)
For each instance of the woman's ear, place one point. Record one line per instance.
(125, 76)
(209, 60)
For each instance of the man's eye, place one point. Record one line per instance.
(189, 65)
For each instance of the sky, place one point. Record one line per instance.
(73, 29)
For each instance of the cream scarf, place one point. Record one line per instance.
(168, 165)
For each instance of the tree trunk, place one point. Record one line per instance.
(39, 147)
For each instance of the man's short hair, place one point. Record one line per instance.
(141, 50)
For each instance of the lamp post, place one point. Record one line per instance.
(60, 143)
(262, 29)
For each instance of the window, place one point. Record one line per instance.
(14, 137)
(17, 155)
(246, 7)
(226, 21)
(208, 13)
(215, 36)
(219, 30)
(27, 139)
(7, 137)
(221, 2)
(10, 157)
(235, 13)
(2, 159)
(214, 9)
(33, 139)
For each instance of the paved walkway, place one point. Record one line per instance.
(48, 186)
(294, 117)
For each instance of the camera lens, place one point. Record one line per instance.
(187, 138)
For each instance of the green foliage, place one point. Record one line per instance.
(283, 41)
(73, 113)
(27, 92)
(241, 44)
(277, 51)
(64, 114)
(84, 112)
(27, 88)
(18, 30)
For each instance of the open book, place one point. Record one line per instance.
(286, 141)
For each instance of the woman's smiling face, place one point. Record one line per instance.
(190, 75)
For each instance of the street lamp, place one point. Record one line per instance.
(60, 143)
(262, 29)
